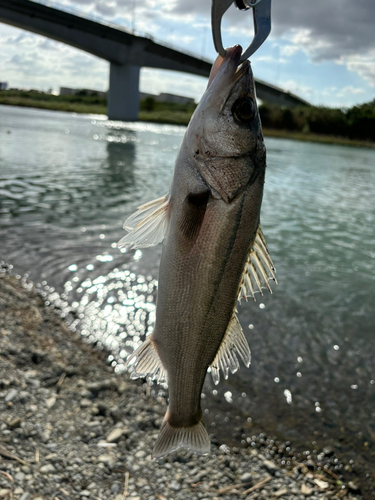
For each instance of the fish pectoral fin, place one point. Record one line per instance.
(193, 438)
(148, 226)
(233, 343)
(259, 269)
(144, 362)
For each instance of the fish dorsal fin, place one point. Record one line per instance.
(259, 269)
(144, 362)
(233, 343)
(148, 226)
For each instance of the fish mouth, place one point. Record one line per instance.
(242, 70)
(227, 65)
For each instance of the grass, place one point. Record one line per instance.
(151, 111)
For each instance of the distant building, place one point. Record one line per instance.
(69, 91)
(3, 85)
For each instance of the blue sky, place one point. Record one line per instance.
(322, 51)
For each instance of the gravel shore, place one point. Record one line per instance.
(70, 428)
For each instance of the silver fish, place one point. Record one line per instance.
(214, 252)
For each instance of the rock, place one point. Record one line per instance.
(47, 469)
(84, 493)
(51, 402)
(114, 436)
(246, 477)
(140, 454)
(85, 403)
(11, 396)
(20, 476)
(323, 485)
(4, 493)
(175, 485)
(305, 490)
(14, 423)
(270, 466)
(310, 464)
(105, 459)
(25, 496)
(354, 486)
(280, 492)
(328, 451)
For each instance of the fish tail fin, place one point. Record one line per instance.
(193, 438)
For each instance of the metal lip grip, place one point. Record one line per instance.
(262, 23)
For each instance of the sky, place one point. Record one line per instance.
(322, 51)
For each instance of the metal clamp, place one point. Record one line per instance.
(262, 23)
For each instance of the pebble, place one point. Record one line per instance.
(280, 492)
(85, 403)
(47, 469)
(305, 490)
(25, 496)
(114, 435)
(11, 396)
(353, 486)
(51, 402)
(105, 459)
(270, 466)
(4, 493)
(20, 476)
(175, 485)
(246, 477)
(140, 454)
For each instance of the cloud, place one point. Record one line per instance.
(363, 65)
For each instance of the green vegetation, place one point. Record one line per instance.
(165, 112)
(79, 103)
(354, 126)
(356, 123)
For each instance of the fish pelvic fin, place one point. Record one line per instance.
(145, 362)
(148, 226)
(234, 343)
(259, 269)
(170, 439)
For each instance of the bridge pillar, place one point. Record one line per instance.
(123, 93)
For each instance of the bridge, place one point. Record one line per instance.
(126, 53)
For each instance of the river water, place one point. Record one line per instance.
(67, 183)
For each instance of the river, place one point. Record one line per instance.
(68, 182)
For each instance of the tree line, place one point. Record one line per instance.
(357, 122)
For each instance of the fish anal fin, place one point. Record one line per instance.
(145, 362)
(259, 269)
(148, 226)
(234, 343)
(170, 439)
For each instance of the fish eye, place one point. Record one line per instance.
(244, 110)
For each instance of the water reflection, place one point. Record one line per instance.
(119, 167)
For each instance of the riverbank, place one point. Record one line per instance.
(168, 114)
(72, 428)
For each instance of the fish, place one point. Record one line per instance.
(214, 252)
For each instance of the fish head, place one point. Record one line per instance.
(224, 137)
